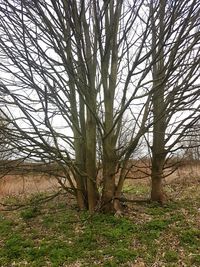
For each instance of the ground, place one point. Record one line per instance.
(57, 234)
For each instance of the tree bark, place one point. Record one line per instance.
(92, 190)
(158, 101)
(80, 177)
(109, 172)
(157, 176)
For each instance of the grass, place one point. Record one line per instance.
(54, 234)
(171, 256)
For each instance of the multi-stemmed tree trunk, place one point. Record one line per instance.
(110, 67)
(73, 62)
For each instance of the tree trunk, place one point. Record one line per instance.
(107, 203)
(156, 178)
(156, 191)
(92, 190)
(122, 176)
(80, 196)
(109, 172)
(159, 107)
(80, 176)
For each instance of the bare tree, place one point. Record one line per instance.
(175, 106)
(72, 71)
(77, 75)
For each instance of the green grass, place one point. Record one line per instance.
(190, 237)
(171, 256)
(137, 190)
(56, 235)
(30, 213)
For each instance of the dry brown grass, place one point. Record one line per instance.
(34, 182)
(26, 184)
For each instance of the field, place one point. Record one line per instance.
(26, 182)
(55, 233)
